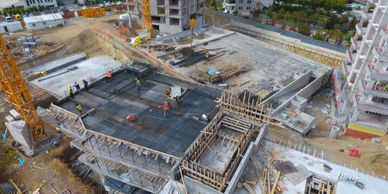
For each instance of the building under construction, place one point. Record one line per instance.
(170, 16)
(367, 76)
(198, 140)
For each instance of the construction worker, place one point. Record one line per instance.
(86, 84)
(177, 99)
(166, 107)
(79, 108)
(109, 75)
(70, 90)
(137, 83)
(76, 87)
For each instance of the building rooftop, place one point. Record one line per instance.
(107, 105)
(10, 3)
(42, 18)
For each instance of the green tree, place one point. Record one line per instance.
(319, 35)
(304, 29)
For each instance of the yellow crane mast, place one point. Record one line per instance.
(16, 91)
(146, 14)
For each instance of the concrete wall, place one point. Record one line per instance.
(6, 27)
(296, 84)
(315, 85)
(154, 8)
(253, 147)
(169, 29)
(307, 91)
(196, 187)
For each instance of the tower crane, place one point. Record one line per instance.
(16, 90)
(146, 14)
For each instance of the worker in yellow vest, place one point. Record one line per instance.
(79, 108)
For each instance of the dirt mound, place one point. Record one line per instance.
(87, 42)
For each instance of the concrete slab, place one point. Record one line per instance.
(58, 64)
(109, 107)
(263, 61)
(91, 69)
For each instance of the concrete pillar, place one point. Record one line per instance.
(20, 133)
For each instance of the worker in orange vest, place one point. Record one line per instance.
(109, 76)
(166, 107)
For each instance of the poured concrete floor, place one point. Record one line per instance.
(110, 105)
(90, 69)
(263, 61)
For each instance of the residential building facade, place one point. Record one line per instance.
(367, 73)
(171, 16)
(27, 3)
(245, 7)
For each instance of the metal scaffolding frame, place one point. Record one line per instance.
(123, 173)
(122, 153)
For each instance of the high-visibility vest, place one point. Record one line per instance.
(138, 82)
(166, 106)
(79, 107)
(70, 88)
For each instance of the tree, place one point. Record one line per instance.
(304, 29)
(319, 35)
(335, 34)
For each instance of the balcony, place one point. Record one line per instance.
(360, 29)
(373, 107)
(356, 43)
(160, 3)
(375, 92)
(175, 4)
(380, 53)
(384, 33)
(367, 13)
(351, 55)
(175, 13)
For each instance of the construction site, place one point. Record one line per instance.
(155, 97)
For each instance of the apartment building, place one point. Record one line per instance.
(367, 73)
(245, 7)
(27, 3)
(171, 16)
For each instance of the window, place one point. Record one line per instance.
(240, 8)
(249, 1)
(44, 23)
(33, 25)
(248, 8)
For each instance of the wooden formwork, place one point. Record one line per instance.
(246, 107)
(239, 115)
